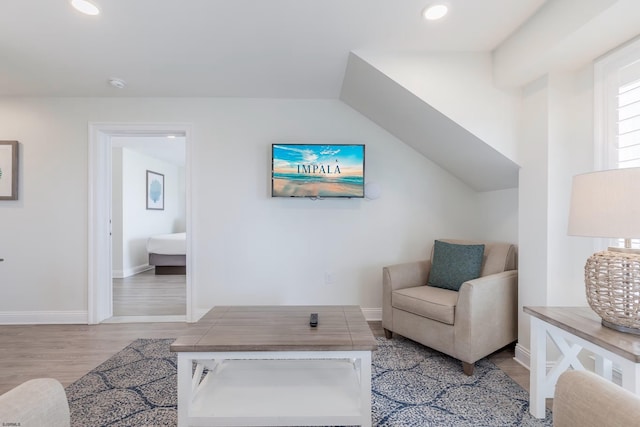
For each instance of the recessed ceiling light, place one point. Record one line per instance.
(435, 11)
(85, 6)
(117, 83)
(171, 136)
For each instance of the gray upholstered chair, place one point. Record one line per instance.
(468, 324)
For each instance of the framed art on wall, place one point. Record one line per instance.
(155, 190)
(8, 170)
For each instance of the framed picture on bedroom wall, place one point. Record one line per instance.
(8, 170)
(155, 191)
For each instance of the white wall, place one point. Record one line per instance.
(498, 211)
(276, 251)
(556, 143)
(117, 260)
(181, 215)
(532, 224)
(248, 248)
(570, 153)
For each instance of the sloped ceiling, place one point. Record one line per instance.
(427, 130)
(561, 36)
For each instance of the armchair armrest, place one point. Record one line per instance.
(406, 275)
(401, 276)
(37, 402)
(487, 314)
(583, 398)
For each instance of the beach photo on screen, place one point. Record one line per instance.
(318, 170)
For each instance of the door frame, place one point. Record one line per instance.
(99, 283)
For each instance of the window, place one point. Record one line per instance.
(617, 111)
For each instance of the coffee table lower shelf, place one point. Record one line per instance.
(274, 389)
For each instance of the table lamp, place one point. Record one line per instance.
(607, 204)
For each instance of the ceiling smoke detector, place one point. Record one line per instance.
(117, 83)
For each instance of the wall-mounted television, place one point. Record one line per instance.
(317, 170)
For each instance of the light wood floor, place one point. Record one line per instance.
(148, 294)
(67, 352)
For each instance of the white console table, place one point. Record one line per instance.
(572, 329)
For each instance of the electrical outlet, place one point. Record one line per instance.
(328, 278)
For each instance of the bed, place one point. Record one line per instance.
(168, 253)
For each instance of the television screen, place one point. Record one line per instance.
(316, 170)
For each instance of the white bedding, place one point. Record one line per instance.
(168, 244)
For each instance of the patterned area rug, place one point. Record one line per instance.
(412, 386)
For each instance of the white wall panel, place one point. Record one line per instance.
(249, 248)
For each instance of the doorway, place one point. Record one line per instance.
(139, 140)
(147, 234)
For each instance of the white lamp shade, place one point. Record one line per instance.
(606, 204)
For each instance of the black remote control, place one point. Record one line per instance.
(313, 320)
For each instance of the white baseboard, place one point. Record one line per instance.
(121, 274)
(522, 356)
(198, 313)
(43, 317)
(147, 319)
(372, 314)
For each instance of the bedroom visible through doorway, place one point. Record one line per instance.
(148, 226)
(100, 267)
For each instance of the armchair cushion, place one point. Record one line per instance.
(454, 264)
(426, 301)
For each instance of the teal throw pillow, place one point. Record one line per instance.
(454, 264)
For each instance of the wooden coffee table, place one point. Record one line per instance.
(265, 366)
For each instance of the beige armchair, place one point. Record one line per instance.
(468, 324)
(38, 402)
(583, 399)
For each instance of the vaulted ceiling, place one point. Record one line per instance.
(306, 49)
